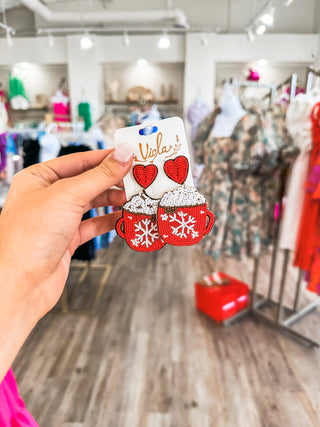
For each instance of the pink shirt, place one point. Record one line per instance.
(13, 412)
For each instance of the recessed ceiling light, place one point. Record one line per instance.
(86, 42)
(24, 65)
(263, 62)
(142, 62)
(164, 41)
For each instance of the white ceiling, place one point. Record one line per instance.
(302, 16)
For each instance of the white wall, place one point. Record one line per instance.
(274, 47)
(33, 49)
(85, 76)
(271, 73)
(111, 49)
(37, 78)
(85, 70)
(200, 65)
(152, 76)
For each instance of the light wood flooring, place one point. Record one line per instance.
(148, 358)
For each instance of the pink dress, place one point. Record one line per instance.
(13, 412)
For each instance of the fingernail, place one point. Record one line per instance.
(123, 152)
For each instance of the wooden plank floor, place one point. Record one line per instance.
(147, 358)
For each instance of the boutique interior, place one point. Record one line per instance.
(209, 323)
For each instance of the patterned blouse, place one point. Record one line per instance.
(239, 180)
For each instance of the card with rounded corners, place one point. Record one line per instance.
(161, 157)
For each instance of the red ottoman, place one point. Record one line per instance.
(221, 296)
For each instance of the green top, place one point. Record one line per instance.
(16, 87)
(84, 111)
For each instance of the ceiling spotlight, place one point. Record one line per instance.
(126, 39)
(86, 42)
(24, 65)
(142, 62)
(9, 39)
(261, 29)
(263, 62)
(251, 35)
(164, 41)
(287, 2)
(268, 17)
(204, 39)
(50, 40)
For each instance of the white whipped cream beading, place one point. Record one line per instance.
(183, 196)
(142, 204)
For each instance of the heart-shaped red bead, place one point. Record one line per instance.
(177, 169)
(145, 175)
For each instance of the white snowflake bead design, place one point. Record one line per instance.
(146, 233)
(185, 224)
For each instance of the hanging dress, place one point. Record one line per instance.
(238, 181)
(307, 234)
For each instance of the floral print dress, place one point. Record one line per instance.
(239, 182)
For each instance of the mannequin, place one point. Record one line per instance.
(231, 113)
(196, 113)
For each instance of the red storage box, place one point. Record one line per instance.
(221, 299)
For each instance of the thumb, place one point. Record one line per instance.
(109, 172)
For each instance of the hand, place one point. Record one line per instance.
(40, 228)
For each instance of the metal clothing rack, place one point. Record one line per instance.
(311, 73)
(282, 317)
(271, 86)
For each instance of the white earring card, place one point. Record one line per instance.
(155, 143)
(163, 205)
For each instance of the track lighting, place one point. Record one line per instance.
(164, 41)
(267, 17)
(9, 38)
(126, 39)
(251, 35)
(86, 42)
(50, 40)
(261, 29)
(203, 39)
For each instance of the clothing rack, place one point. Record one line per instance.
(271, 86)
(292, 80)
(282, 317)
(311, 73)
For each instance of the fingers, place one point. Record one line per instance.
(93, 227)
(67, 166)
(90, 184)
(111, 197)
(120, 184)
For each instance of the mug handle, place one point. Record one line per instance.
(210, 223)
(118, 227)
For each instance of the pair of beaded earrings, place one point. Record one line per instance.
(179, 218)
